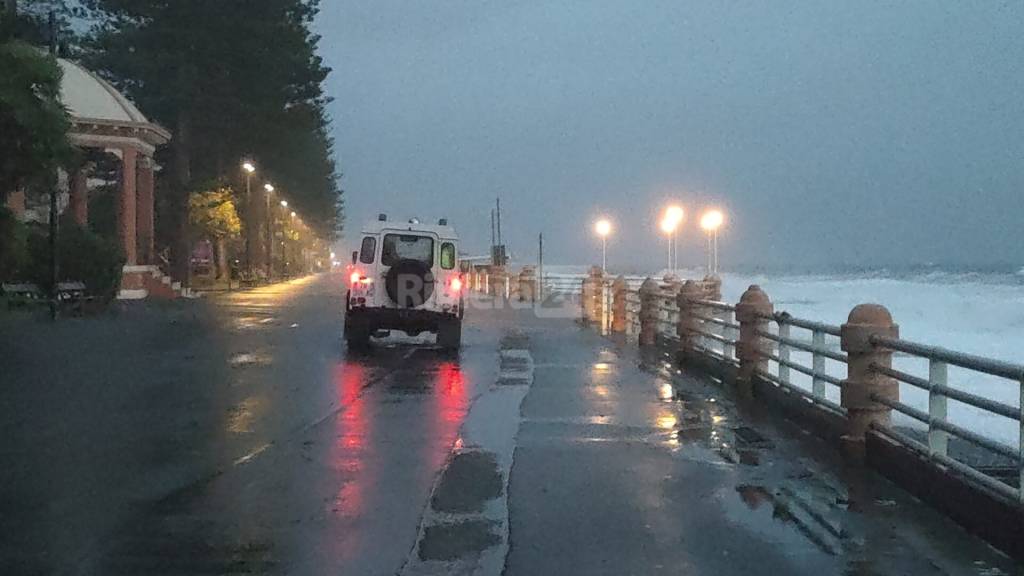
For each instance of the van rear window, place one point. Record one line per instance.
(407, 247)
(366, 251)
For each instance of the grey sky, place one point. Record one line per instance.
(832, 133)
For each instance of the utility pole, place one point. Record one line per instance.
(498, 204)
(540, 267)
(54, 271)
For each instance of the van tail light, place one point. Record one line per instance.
(456, 284)
(357, 278)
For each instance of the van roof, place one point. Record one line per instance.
(377, 226)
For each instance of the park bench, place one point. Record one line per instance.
(74, 297)
(247, 278)
(21, 295)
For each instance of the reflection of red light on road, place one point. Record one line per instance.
(349, 448)
(450, 403)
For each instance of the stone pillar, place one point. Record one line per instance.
(650, 292)
(865, 321)
(527, 283)
(497, 280)
(752, 349)
(16, 203)
(619, 289)
(688, 326)
(144, 212)
(713, 288)
(126, 206)
(598, 294)
(78, 200)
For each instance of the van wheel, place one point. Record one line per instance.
(357, 335)
(449, 335)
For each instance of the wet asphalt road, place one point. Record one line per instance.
(238, 436)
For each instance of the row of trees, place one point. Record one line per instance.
(231, 79)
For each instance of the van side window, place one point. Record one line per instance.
(367, 249)
(447, 255)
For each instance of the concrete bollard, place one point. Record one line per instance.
(689, 325)
(619, 289)
(751, 348)
(713, 288)
(865, 321)
(650, 292)
(599, 288)
(527, 284)
(498, 278)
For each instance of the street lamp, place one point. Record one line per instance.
(248, 167)
(711, 221)
(603, 227)
(269, 189)
(284, 203)
(670, 221)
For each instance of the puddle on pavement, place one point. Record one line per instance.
(469, 481)
(254, 322)
(246, 359)
(453, 540)
(777, 518)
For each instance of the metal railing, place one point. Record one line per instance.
(940, 428)
(790, 354)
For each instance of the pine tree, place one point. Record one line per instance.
(231, 79)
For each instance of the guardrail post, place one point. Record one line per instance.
(751, 348)
(817, 364)
(861, 383)
(938, 440)
(649, 294)
(688, 327)
(619, 288)
(783, 352)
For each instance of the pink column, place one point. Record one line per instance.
(16, 202)
(144, 213)
(126, 205)
(80, 196)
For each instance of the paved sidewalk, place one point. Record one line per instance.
(626, 466)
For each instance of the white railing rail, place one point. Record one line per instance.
(936, 418)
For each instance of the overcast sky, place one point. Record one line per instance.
(832, 133)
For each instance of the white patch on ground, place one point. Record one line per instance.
(490, 426)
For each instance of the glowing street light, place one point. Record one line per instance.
(284, 203)
(268, 187)
(670, 222)
(248, 167)
(711, 221)
(603, 227)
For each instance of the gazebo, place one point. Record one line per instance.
(102, 118)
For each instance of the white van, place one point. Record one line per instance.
(405, 276)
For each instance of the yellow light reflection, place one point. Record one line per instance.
(666, 422)
(601, 391)
(666, 392)
(717, 419)
(602, 367)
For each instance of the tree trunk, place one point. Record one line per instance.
(222, 258)
(178, 212)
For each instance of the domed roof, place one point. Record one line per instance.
(91, 100)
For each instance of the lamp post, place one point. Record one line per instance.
(669, 224)
(269, 189)
(603, 227)
(711, 221)
(248, 168)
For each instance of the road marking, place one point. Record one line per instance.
(248, 457)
